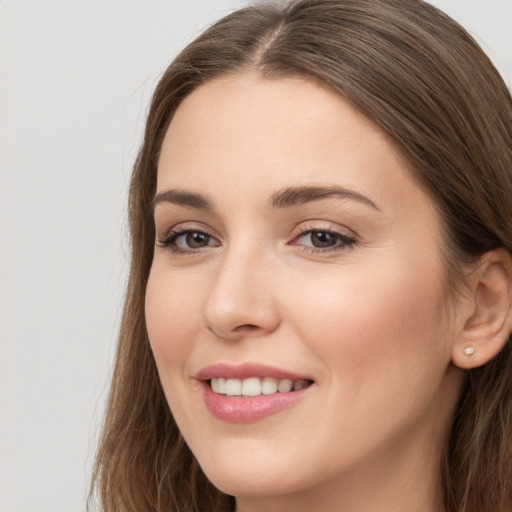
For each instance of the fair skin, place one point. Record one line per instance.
(345, 290)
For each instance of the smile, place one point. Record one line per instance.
(250, 392)
(256, 386)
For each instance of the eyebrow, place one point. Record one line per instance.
(182, 198)
(301, 195)
(288, 197)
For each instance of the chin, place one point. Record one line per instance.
(247, 475)
(247, 483)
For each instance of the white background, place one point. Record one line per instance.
(75, 80)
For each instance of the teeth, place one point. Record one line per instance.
(251, 387)
(219, 385)
(233, 387)
(255, 386)
(285, 386)
(269, 386)
(297, 386)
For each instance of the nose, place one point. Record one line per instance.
(241, 302)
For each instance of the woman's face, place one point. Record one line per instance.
(293, 245)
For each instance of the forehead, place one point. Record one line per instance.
(260, 134)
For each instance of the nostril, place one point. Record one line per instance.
(246, 328)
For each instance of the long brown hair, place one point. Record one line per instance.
(425, 82)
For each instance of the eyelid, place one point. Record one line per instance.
(187, 226)
(322, 225)
(174, 232)
(347, 237)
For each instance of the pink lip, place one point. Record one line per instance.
(247, 409)
(245, 371)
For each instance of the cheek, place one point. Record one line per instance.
(378, 324)
(383, 351)
(172, 317)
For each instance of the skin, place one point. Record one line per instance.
(365, 320)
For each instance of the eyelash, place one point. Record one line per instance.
(344, 241)
(169, 239)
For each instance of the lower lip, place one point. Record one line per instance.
(235, 409)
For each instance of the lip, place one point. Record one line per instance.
(235, 409)
(245, 371)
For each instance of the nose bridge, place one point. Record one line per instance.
(241, 299)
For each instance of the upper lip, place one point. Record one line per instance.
(245, 371)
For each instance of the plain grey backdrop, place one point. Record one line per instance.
(75, 80)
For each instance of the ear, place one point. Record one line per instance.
(488, 317)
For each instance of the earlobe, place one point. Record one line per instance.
(489, 321)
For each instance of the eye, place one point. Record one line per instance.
(323, 240)
(187, 240)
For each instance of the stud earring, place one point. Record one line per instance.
(469, 351)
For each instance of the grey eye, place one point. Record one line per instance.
(322, 239)
(195, 240)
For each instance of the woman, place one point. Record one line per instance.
(318, 310)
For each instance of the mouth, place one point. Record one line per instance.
(250, 392)
(256, 386)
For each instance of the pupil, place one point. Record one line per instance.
(323, 239)
(195, 240)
